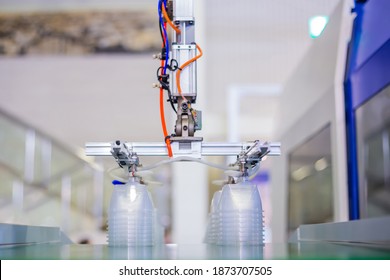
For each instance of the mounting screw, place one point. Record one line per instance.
(185, 128)
(118, 142)
(184, 106)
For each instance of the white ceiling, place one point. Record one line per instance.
(80, 99)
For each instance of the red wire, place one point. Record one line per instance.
(162, 114)
(164, 127)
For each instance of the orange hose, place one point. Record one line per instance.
(182, 67)
(178, 31)
(162, 117)
(163, 124)
(162, 114)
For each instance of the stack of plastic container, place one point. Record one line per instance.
(236, 216)
(132, 216)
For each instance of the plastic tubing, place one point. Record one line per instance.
(164, 67)
(187, 158)
(163, 123)
(164, 25)
(182, 67)
(160, 18)
(164, 11)
(161, 4)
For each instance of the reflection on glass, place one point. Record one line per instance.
(32, 189)
(310, 182)
(12, 141)
(373, 140)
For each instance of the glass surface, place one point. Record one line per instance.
(310, 192)
(12, 143)
(373, 140)
(302, 250)
(44, 183)
(7, 180)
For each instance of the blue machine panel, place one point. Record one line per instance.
(368, 72)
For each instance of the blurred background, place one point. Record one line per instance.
(73, 72)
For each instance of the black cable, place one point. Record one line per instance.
(170, 67)
(159, 25)
(158, 74)
(173, 67)
(161, 34)
(166, 87)
(171, 101)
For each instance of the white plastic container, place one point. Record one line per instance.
(132, 216)
(236, 216)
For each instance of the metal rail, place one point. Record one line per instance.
(196, 149)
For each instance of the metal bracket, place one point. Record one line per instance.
(255, 150)
(123, 156)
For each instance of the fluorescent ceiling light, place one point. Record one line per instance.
(301, 173)
(317, 25)
(321, 164)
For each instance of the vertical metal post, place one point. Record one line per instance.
(46, 151)
(189, 209)
(66, 196)
(17, 198)
(189, 180)
(98, 186)
(29, 159)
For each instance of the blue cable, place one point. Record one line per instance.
(166, 42)
(160, 2)
(160, 13)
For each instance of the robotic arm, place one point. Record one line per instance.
(177, 76)
(177, 73)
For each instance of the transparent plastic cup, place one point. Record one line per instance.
(132, 216)
(215, 201)
(236, 216)
(239, 197)
(132, 196)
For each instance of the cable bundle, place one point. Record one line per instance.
(166, 65)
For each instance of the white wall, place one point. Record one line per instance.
(83, 99)
(313, 97)
(48, 5)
